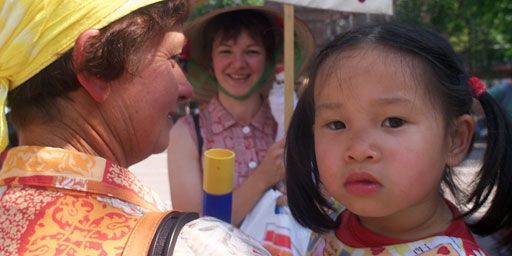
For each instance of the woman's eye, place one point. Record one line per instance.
(224, 51)
(393, 122)
(178, 59)
(253, 52)
(336, 125)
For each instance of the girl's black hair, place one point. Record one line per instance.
(450, 90)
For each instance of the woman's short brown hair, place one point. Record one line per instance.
(107, 56)
(230, 25)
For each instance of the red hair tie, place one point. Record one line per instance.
(477, 87)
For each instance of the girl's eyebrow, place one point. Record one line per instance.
(395, 100)
(328, 106)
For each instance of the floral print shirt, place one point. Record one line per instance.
(55, 201)
(352, 238)
(60, 202)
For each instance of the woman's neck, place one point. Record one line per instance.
(413, 223)
(243, 111)
(80, 128)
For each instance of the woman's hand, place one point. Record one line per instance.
(272, 166)
(267, 174)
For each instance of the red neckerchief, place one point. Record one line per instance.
(352, 233)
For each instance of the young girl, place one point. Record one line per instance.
(380, 128)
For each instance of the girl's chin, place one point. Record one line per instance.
(368, 210)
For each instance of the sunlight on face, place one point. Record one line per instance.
(238, 64)
(150, 98)
(380, 147)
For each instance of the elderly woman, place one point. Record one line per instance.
(92, 87)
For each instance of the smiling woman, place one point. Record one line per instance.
(233, 56)
(152, 94)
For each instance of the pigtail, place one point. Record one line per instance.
(495, 175)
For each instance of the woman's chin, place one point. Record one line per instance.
(239, 88)
(159, 148)
(162, 143)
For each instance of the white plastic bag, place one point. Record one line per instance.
(272, 225)
(213, 237)
(275, 227)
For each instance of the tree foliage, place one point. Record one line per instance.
(481, 31)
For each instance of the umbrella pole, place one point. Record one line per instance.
(289, 66)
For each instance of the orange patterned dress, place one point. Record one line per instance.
(60, 202)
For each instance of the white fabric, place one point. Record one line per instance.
(367, 6)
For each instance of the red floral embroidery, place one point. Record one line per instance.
(78, 225)
(18, 208)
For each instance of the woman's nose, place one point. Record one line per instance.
(239, 60)
(184, 87)
(361, 147)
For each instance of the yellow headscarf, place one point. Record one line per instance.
(33, 34)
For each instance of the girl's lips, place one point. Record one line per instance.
(361, 184)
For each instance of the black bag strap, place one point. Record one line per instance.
(197, 127)
(167, 233)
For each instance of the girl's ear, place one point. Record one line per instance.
(97, 88)
(460, 138)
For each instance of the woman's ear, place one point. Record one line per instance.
(460, 138)
(96, 87)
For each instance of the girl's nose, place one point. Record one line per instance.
(360, 148)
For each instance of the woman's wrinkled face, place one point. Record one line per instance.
(149, 98)
(238, 64)
(380, 143)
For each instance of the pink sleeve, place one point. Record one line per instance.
(190, 124)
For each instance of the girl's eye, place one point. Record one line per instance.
(393, 122)
(336, 125)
